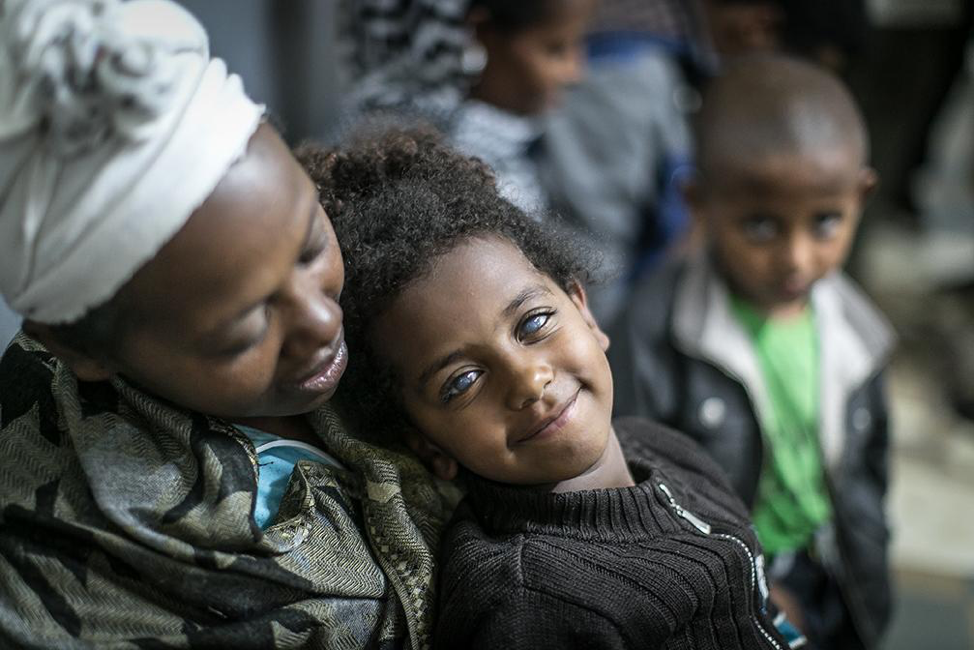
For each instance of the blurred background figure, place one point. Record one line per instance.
(485, 72)
(619, 151)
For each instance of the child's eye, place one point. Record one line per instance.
(533, 324)
(459, 385)
(826, 224)
(760, 229)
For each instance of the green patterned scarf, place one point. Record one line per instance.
(126, 522)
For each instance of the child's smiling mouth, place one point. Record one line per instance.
(556, 420)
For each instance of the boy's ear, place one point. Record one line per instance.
(85, 366)
(577, 293)
(868, 182)
(438, 462)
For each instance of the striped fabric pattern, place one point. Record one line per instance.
(127, 523)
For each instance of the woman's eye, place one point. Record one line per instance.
(459, 385)
(311, 253)
(826, 225)
(534, 324)
(760, 229)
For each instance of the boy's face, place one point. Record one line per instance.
(780, 223)
(499, 368)
(238, 313)
(528, 69)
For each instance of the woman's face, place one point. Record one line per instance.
(238, 316)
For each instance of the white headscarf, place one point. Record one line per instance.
(115, 125)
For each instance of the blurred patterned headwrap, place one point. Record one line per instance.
(115, 125)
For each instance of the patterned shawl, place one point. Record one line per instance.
(126, 522)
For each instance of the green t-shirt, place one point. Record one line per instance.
(792, 500)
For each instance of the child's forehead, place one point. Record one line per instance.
(827, 169)
(481, 259)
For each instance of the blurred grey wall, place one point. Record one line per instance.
(285, 52)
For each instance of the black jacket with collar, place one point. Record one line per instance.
(679, 357)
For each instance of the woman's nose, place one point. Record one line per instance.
(313, 319)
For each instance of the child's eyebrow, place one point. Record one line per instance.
(437, 366)
(524, 296)
(527, 294)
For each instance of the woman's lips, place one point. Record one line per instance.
(325, 377)
(555, 424)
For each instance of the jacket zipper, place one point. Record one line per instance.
(706, 529)
(682, 512)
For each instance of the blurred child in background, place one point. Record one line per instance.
(762, 350)
(485, 72)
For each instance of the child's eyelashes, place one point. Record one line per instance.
(760, 228)
(764, 229)
(826, 224)
(459, 385)
(533, 324)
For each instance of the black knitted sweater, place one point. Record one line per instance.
(669, 563)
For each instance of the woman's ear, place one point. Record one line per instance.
(438, 462)
(577, 293)
(85, 366)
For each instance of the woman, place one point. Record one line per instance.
(179, 284)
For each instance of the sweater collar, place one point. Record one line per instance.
(611, 514)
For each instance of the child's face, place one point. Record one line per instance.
(499, 368)
(527, 70)
(779, 224)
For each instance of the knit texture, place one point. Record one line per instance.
(611, 568)
(127, 523)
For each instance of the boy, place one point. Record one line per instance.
(765, 353)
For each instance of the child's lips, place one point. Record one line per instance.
(557, 419)
(792, 289)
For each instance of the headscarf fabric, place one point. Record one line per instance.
(115, 125)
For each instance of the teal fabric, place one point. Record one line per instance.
(275, 466)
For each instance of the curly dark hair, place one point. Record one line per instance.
(398, 201)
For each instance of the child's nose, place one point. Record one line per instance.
(528, 383)
(797, 254)
(573, 70)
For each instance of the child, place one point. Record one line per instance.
(470, 332)
(485, 72)
(765, 353)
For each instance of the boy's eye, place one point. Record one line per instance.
(459, 385)
(760, 229)
(533, 324)
(826, 224)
